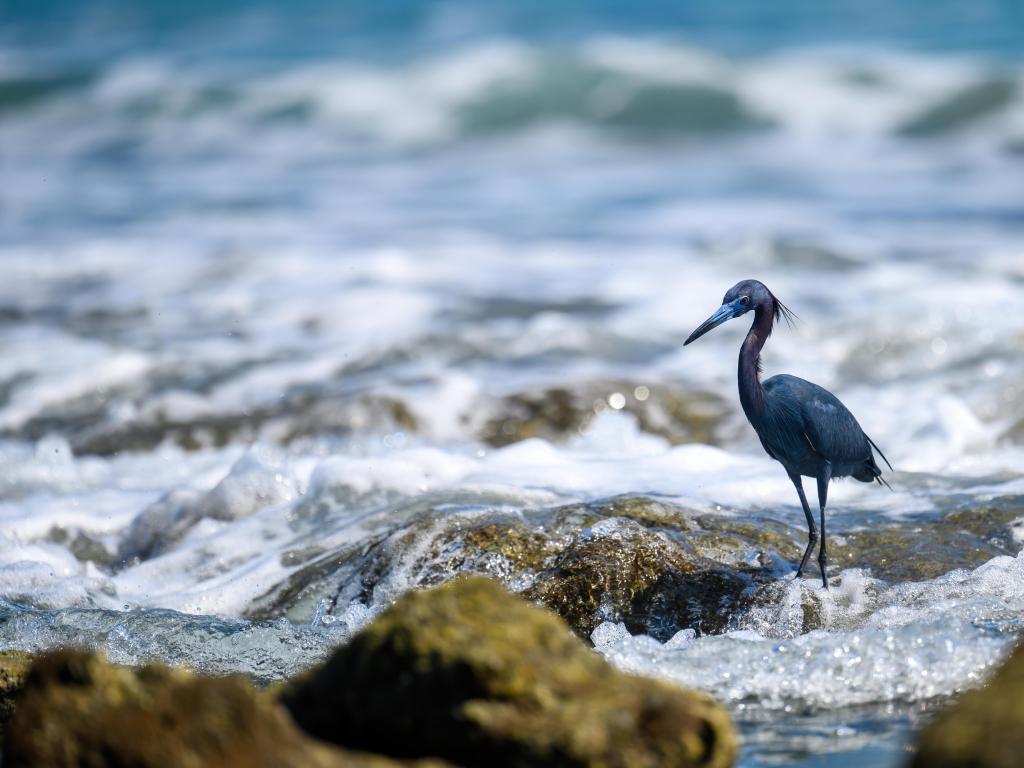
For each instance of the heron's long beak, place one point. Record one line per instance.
(725, 312)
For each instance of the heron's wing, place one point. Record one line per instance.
(832, 430)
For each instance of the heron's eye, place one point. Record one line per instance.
(744, 300)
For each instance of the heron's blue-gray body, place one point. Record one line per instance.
(801, 425)
(804, 426)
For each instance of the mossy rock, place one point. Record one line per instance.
(682, 569)
(920, 548)
(155, 717)
(654, 565)
(630, 558)
(478, 676)
(622, 572)
(14, 666)
(558, 413)
(984, 728)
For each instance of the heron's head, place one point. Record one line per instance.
(743, 297)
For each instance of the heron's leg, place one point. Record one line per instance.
(824, 476)
(812, 533)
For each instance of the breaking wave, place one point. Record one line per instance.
(630, 90)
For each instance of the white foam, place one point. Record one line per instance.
(907, 643)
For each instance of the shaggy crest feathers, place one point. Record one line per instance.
(781, 311)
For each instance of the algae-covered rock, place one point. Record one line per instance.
(14, 667)
(656, 566)
(475, 675)
(620, 571)
(917, 548)
(652, 564)
(77, 710)
(984, 728)
(557, 413)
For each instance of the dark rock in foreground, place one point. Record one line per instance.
(14, 667)
(77, 710)
(475, 675)
(984, 728)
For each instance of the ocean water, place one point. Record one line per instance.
(281, 287)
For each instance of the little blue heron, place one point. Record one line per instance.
(802, 426)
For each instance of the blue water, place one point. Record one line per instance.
(272, 31)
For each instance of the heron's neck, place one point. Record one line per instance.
(751, 391)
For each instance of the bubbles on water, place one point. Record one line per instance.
(267, 651)
(355, 616)
(875, 643)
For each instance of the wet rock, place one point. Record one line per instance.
(13, 669)
(118, 421)
(550, 414)
(654, 566)
(920, 548)
(146, 433)
(154, 717)
(84, 547)
(620, 571)
(984, 728)
(411, 542)
(475, 675)
(558, 413)
(297, 415)
(370, 413)
(498, 544)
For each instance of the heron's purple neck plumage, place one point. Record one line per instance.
(751, 391)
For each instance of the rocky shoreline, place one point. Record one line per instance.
(492, 667)
(651, 564)
(464, 674)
